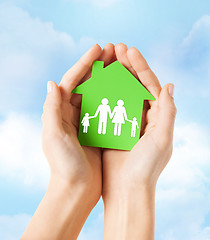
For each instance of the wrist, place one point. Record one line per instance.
(74, 191)
(133, 211)
(128, 194)
(126, 191)
(61, 213)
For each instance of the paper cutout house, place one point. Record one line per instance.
(112, 83)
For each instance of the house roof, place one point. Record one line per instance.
(113, 78)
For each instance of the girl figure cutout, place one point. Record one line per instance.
(119, 116)
(85, 122)
(133, 127)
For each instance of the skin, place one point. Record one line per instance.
(76, 173)
(129, 177)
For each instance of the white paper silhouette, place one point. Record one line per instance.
(85, 122)
(133, 127)
(119, 116)
(103, 110)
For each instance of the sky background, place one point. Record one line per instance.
(41, 40)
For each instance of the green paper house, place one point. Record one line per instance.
(111, 110)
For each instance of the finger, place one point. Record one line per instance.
(145, 74)
(72, 77)
(51, 117)
(108, 54)
(107, 57)
(76, 117)
(76, 100)
(145, 111)
(166, 117)
(121, 54)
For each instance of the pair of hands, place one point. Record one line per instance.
(123, 171)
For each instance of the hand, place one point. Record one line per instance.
(75, 182)
(128, 120)
(130, 177)
(68, 160)
(144, 163)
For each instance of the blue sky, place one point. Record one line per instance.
(40, 40)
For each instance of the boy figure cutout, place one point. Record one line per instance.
(134, 126)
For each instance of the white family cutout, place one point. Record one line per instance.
(118, 116)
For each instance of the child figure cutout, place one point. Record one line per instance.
(133, 127)
(85, 122)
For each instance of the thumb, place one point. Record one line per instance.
(167, 114)
(51, 117)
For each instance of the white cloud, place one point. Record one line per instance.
(192, 54)
(12, 227)
(21, 157)
(32, 52)
(204, 234)
(200, 32)
(195, 47)
(183, 189)
(187, 66)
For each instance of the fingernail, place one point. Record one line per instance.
(49, 86)
(171, 90)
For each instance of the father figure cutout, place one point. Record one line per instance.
(103, 110)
